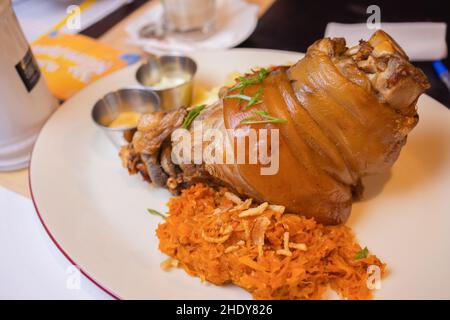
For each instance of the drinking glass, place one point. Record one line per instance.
(191, 18)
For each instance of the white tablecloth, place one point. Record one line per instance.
(31, 266)
(422, 41)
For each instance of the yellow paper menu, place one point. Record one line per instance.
(69, 62)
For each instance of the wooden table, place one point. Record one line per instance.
(17, 181)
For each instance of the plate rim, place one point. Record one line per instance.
(101, 286)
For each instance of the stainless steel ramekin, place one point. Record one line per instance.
(108, 108)
(152, 71)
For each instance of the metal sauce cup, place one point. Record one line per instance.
(108, 108)
(151, 73)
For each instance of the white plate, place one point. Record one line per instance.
(96, 213)
(235, 22)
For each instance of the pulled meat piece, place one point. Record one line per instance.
(132, 161)
(149, 151)
(154, 128)
(154, 170)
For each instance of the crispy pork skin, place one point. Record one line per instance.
(347, 114)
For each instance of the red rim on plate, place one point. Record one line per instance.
(47, 230)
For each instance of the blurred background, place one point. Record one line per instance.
(293, 25)
(282, 24)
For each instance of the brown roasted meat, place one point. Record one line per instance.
(346, 113)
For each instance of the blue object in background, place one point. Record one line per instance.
(130, 58)
(442, 72)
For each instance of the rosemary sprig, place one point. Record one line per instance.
(238, 96)
(245, 82)
(156, 213)
(192, 115)
(262, 112)
(255, 99)
(267, 118)
(274, 120)
(251, 100)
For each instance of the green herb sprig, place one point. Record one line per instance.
(251, 100)
(238, 96)
(362, 254)
(193, 113)
(156, 213)
(246, 82)
(255, 99)
(266, 118)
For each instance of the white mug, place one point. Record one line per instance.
(25, 101)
